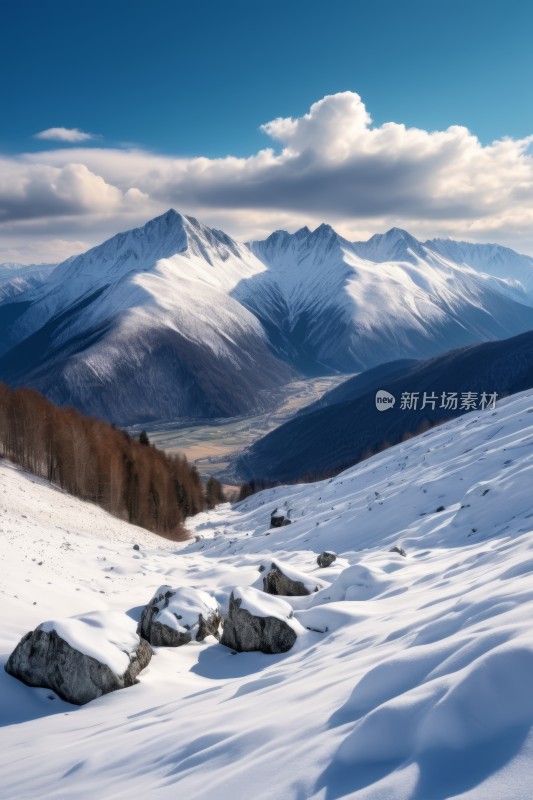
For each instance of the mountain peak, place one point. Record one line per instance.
(324, 230)
(139, 249)
(170, 219)
(396, 244)
(395, 234)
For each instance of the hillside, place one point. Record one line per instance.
(412, 684)
(345, 425)
(94, 461)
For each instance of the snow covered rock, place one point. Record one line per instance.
(357, 582)
(81, 658)
(278, 519)
(280, 579)
(175, 616)
(326, 558)
(259, 622)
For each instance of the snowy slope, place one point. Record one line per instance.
(514, 270)
(418, 686)
(18, 278)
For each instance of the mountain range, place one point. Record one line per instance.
(175, 319)
(18, 278)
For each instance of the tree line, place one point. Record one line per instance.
(95, 461)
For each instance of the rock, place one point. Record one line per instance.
(326, 558)
(281, 579)
(287, 582)
(174, 617)
(136, 547)
(258, 622)
(81, 658)
(278, 519)
(399, 550)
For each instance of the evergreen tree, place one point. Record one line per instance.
(214, 494)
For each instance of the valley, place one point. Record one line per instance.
(213, 446)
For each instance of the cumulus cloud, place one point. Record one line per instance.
(331, 164)
(45, 191)
(64, 135)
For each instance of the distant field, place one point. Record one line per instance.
(212, 446)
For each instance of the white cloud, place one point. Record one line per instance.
(64, 135)
(332, 164)
(37, 191)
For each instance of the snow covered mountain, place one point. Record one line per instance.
(18, 278)
(515, 271)
(410, 677)
(175, 319)
(329, 303)
(144, 326)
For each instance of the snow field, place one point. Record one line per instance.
(410, 678)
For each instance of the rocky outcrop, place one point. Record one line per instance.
(278, 519)
(258, 622)
(326, 558)
(282, 580)
(174, 617)
(46, 659)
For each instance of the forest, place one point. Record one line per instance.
(95, 461)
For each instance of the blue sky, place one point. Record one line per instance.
(186, 79)
(200, 77)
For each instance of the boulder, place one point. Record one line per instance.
(326, 558)
(258, 622)
(399, 550)
(282, 580)
(278, 519)
(81, 658)
(175, 616)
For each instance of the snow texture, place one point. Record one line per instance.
(107, 636)
(184, 606)
(410, 677)
(259, 604)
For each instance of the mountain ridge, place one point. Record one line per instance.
(345, 426)
(176, 319)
